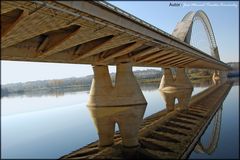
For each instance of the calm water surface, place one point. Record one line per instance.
(51, 126)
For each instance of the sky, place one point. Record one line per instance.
(223, 16)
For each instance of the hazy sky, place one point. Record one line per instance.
(223, 16)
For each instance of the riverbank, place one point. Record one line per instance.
(59, 89)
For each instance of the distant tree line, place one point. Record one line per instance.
(67, 83)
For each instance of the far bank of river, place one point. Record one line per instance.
(59, 90)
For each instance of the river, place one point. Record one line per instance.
(50, 126)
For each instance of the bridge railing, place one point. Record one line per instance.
(122, 12)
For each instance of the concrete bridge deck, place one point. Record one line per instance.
(165, 135)
(91, 32)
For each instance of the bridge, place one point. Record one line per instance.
(100, 34)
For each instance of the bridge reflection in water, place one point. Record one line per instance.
(213, 140)
(170, 133)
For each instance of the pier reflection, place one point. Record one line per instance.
(128, 118)
(182, 95)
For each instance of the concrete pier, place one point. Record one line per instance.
(180, 82)
(123, 104)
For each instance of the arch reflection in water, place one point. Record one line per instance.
(128, 118)
(182, 95)
(213, 141)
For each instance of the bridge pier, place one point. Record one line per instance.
(219, 75)
(180, 88)
(181, 81)
(123, 104)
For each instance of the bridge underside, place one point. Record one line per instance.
(49, 33)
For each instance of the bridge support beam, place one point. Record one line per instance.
(180, 82)
(123, 104)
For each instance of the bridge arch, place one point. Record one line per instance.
(183, 30)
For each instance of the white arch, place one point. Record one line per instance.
(183, 30)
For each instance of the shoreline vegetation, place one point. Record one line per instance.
(199, 77)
